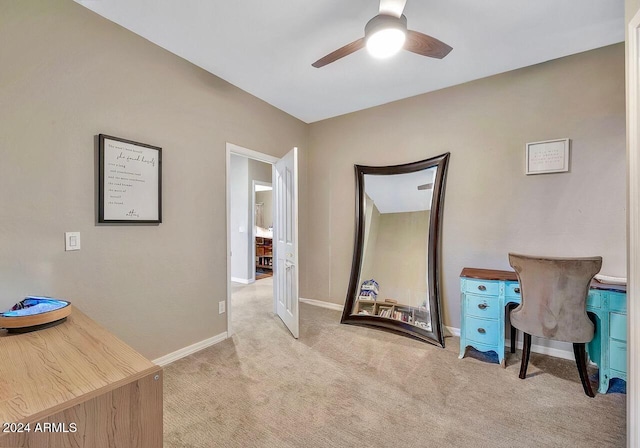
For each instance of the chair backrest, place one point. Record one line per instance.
(554, 296)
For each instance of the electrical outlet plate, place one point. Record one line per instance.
(221, 307)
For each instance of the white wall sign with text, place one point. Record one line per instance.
(551, 156)
(130, 181)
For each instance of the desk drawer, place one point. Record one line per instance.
(483, 306)
(512, 290)
(481, 330)
(482, 287)
(618, 326)
(618, 355)
(617, 302)
(594, 299)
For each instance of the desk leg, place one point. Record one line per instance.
(463, 339)
(601, 340)
(598, 349)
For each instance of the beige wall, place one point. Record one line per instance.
(400, 257)
(631, 7)
(370, 239)
(67, 75)
(266, 198)
(491, 207)
(239, 219)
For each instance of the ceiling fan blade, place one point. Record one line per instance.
(392, 7)
(426, 45)
(340, 53)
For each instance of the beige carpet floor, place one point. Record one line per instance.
(347, 386)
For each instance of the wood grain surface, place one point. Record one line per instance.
(78, 371)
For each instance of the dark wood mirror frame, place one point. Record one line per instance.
(436, 336)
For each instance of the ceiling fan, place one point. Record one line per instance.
(386, 34)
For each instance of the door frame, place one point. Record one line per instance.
(633, 230)
(253, 218)
(250, 154)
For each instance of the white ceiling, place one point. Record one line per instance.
(398, 193)
(266, 47)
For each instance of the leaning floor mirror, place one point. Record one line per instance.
(395, 274)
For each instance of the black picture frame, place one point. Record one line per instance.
(130, 181)
(436, 335)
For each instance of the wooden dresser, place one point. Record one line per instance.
(77, 385)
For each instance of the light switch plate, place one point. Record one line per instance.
(71, 240)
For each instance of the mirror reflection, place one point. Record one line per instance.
(395, 273)
(393, 280)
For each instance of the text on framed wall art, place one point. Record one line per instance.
(550, 156)
(130, 181)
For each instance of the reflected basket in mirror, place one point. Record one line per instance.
(369, 290)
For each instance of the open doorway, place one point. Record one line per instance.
(248, 244)
(246, 175)
(251, 239)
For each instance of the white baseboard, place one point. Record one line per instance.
(451, 331)
(186, 351)
(244, 281)
(541, 349)
(322, 304)
(544, 350)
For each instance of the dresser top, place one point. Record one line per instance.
(49, 370)
(495, 274)
(489, 274)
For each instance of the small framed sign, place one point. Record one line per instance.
(130, 184)
(551, 156)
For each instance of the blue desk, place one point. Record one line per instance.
(485, 293)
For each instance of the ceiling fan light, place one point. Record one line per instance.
(385, 35)
(385, 43)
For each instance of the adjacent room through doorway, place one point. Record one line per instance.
(263, 229)
(251, 224)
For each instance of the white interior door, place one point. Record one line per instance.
(285, 197)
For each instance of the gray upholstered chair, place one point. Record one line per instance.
(554, 304)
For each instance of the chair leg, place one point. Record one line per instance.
(581, 361)
(526, 351)
(514, 330)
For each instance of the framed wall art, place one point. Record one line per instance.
(551, 156)
(130, 181)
